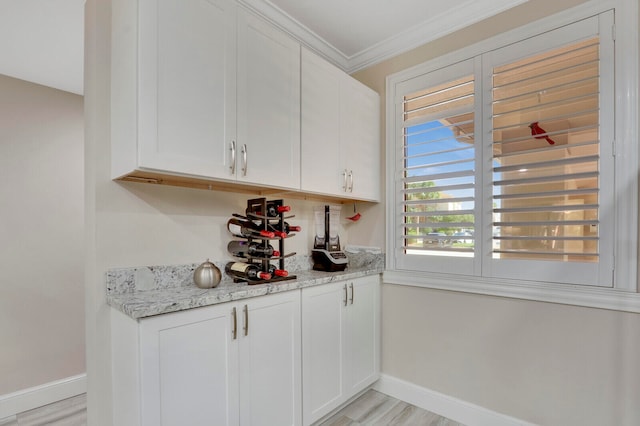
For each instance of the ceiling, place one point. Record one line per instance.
(42, 40)
(355, 34)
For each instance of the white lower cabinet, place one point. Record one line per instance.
(270, 357)
(340, 343)
(229, 364)
(282, 359)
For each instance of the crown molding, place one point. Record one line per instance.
(464, 15)
(434, 27)
(297, 30)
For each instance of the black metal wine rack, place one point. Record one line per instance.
(257, 212)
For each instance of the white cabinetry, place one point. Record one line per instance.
(228, 364)
(360, 139)
(340, 343)
(180, 71)
(268, 103)
(340, 128)
(189, 368)
(173, 86)
(270, 360)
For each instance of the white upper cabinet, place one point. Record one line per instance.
(268, 103)
(180, 71)
(360, 139)
(204, 90)
(320, 133)
(340, 128)
(173, 97)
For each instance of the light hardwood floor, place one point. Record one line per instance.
(372, 408)
(375, 408)
(68, 412)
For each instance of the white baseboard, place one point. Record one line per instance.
(38, 396)
(444, 405)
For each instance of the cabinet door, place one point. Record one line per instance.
(189, 368)
(322, 170)
(268, 104)
(323, 353)
(186, 104)
(360, 132)
(363, 334)
(270, 378)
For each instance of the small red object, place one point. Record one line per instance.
(267, 234)
(355, 217)
(280, 273)
(539, 133)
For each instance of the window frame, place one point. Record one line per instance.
(624, 293)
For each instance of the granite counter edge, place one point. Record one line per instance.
(145, 304)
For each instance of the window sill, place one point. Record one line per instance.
(592, 297)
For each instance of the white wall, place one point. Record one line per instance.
(41, 235)
(549, 364)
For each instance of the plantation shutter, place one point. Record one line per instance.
(529, 197)
(549, 163)
(437, 181)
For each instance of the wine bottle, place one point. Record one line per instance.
(246, 271)
(277, 272)
(251, 249)
(247, 228)
(273, 210)
(283, 231)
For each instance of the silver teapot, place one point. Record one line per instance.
(207, 275)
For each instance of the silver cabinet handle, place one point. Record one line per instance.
(244, 159)
(233, 157)
(351, 286)
(350, 180)
(345, 295)
(234, 330)
(246, 320)
(344, 180)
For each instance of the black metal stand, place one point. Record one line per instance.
(257, 212)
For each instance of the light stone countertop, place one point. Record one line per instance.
(148, 291)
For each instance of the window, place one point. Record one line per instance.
(502, 166)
